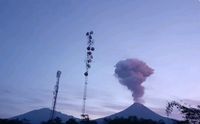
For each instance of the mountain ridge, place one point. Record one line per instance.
(136, 109)
(140, 111)
(40, 115)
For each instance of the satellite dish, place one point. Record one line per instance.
(88, 48)
(89, 60)
(86, 73)
(58, 74)
(89, 53)
(91, 32)
(88, 65)
(92, 49)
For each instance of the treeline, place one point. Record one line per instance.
(117, 120)
(15, 121)
(130, 120)
(70, 121)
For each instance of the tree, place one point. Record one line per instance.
(190, 114)
(87, 121)
(131, 120)
(71, 121)
(57, 120)
(7, 121)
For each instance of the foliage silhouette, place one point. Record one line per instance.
(88, 121)
(15, 121)
(57, 120)
(190, 114)
(131, 120)
(71, 121)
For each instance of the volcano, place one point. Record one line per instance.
(140, 111)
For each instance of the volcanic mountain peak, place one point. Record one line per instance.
(137, 105)
(140, 111)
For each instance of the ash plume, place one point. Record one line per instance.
(132, 73)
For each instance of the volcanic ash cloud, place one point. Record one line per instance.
(132, 73)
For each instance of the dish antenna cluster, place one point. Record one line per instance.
(89, 57)
(55, 94)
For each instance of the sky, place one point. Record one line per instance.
(39, 37)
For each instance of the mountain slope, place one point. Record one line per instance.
(140, 111)
(40, 115)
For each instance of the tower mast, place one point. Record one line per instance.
(89, 57)
(55, 94)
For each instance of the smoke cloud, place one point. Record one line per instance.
(132, 73)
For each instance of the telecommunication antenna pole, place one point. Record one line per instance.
(89, 57)
(55, 94)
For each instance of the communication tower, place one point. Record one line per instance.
(89, 57)
(55, 94)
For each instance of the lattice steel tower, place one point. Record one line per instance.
(89, 57)
(55, 94)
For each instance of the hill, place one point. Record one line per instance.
(40, 115)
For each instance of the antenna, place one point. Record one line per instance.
(89, 57)
(55, 94)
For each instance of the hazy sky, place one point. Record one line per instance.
(39, 37)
